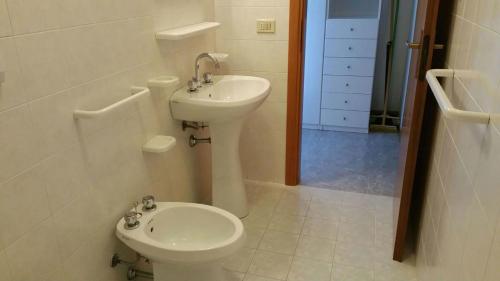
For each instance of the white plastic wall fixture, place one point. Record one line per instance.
(163, 81)
(137, 93)
(159, 144)
(221, 57)
(186, 31)
(449, 111)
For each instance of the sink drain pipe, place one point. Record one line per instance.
(193, 141)
(132, 272)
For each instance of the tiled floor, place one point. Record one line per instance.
(365, 163)
(313, 234)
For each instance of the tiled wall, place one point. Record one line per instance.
(65, 183)
(264, 55)
(460, 234)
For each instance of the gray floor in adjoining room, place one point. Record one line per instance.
(364, 163)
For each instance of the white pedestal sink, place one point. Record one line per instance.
(224, 105)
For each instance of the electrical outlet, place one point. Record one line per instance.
(266, 25)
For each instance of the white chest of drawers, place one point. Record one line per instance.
(348, 65)
(348, 70)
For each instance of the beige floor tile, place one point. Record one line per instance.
(254, 235)
(353, 254)
(234, 276)
(303, 269)
(315, 248)
(240, 261)
(323, 210)
(342, 272)
(358, 233)
(271, 265)
(337, 228)
(286, 223)
(279, 242)
(322, 228)
(251, 277)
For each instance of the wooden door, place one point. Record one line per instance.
(420, 61)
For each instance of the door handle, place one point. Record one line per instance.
(412, 45)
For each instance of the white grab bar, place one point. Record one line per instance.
(445, 104)
(137, 92)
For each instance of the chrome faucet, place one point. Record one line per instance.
(195, 83)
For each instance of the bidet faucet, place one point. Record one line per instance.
(148, 203)
(131, 220)
(195, 82)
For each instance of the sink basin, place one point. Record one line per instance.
(229, 97)
(224, 105)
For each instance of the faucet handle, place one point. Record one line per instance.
(192, 86)
(131, 220)
(148, 203)
(207, 77)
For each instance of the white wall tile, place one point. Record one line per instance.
(263, 55)
(30, 188)
(20, 146)
(4, 267)
(31, 15)
(43, 63)
(36, 255)
(12, 91)
(5, 28)
(66, 178)
(478, 242)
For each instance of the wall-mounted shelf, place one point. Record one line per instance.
(186, 31)
(445, 104)
(166, 81)
(137, 93)
(159, 144)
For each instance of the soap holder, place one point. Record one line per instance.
(159, 144)
(166, 81)
(221, 57)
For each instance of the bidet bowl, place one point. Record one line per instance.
(185, 233)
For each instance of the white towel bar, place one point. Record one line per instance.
(137, 92)
(445, 104)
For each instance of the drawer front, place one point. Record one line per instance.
(347, 84)
(346, 101)
(350, 48)
(345, 118)
(352, 28)
(349, 66)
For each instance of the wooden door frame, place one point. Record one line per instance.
(296, 43)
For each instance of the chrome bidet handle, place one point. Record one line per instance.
(148, 203)
(131, 220)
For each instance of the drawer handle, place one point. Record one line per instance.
(345, 118)
(348, 67)
(349, 48)
(346, 101)
(347, 84)
(351, 29)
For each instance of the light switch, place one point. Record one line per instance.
(266, 25)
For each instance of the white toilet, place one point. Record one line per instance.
(185, 241)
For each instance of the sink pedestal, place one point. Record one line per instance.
(228, 189)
